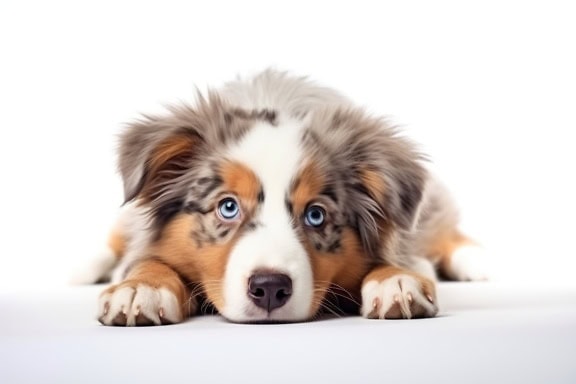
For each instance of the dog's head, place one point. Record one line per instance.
(265, 212)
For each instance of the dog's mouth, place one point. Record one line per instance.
(337, 303)
(268, 321)
(256, 315)
(249, 313)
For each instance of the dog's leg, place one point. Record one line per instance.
(439, 239)
(152, 294)
(395, 293)
(459, 258)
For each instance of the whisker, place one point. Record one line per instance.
(327, 307)
(198, 293)
(212, 287)
(340, 292)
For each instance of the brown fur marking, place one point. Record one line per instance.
(206, 265)
(241, 181)
(374, 183)
(308, 186)
(169, 155)
(117, 243)
(343, 270)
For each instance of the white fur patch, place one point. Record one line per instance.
(470, 262)
(96, 269)
(274, 154)
(378, 297)
(134, 224)
(424, 267)
(157, 305)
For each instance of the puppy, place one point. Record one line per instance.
(273, 199)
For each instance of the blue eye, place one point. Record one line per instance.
(315, 216)
(228, 209)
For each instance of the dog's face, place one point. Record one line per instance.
(267, 213)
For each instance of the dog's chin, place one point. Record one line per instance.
(254, 315)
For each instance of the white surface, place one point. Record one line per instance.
(486, 333)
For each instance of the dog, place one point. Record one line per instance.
(274, 199)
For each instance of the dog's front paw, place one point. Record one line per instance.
(399, 297)
(133, 303)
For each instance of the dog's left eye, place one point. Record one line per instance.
(228, 209)
(315, 216)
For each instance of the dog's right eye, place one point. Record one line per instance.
(228, 209)
(315, 216)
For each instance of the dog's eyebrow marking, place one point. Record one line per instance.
(296, 183)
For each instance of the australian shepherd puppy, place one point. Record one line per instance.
(271, 200)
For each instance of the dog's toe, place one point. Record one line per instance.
(397, 297)
(138, 305)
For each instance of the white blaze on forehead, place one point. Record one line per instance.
(274, 154)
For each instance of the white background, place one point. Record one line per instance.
(487, 88)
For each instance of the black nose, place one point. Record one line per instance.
(269, 290)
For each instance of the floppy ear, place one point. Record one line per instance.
(382, 174)
(397, 190)
(388, 198)
(157, 150)
(151, 152)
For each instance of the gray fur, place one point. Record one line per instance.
(277, 90)
(346, 141)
